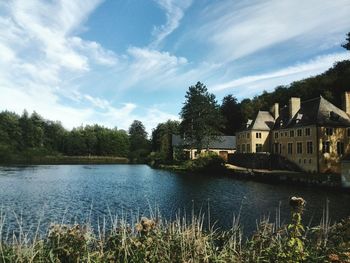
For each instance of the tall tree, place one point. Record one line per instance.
(139, 144)
(162, 138)
(347, 44)
(201, 118)
(232, 114)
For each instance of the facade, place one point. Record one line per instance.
(223, 146)
(314, 134)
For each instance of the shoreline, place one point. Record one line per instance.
(61, 160)
(325, 181)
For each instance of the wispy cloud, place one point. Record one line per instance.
(174, 11)
(238, 29)
(251, 85)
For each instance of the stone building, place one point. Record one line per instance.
(314, 134)
(223, 146)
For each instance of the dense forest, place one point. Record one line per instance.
(31, 135)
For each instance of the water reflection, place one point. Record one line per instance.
(68, 193)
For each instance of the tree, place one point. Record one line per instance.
(139, 144)
(232, 114)
(201, 118)
(162, 138)
(347, 44)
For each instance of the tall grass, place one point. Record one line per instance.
(184, 239)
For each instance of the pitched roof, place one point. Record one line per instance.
(222, 142)
(264, 121)
(315, 111)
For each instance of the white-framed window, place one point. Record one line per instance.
(299, 132)
(291, 133)
(258, 147)
(307, 132)
(299, 147)
(309, 148)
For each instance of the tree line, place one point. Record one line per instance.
(31, 135)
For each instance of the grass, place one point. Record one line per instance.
(181, 240)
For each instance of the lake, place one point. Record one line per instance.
(77, 193)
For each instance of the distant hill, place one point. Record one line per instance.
(330, 84)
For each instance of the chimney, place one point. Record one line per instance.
(294, 106)
(275, 110)
(346, 102)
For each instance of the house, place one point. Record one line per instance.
(223, 146)
(314, 134)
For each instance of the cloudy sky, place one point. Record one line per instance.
(113, 61)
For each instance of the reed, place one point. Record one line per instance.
(184, 239)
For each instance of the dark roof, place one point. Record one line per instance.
(264, 121)
(222, 142)
(315, 111)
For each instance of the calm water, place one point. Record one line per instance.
(69, 193)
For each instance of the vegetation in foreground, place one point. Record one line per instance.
(156, 240)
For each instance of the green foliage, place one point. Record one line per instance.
(162, 140)
(232, 114)
(346, 45)
(183, 240)
(330, 84)
(207, 162)
(139, 143)
(201, 117)
(28, 137)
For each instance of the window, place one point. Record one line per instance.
(281, 134)
(299, 147)
(310, 161)
(243, 148)
(280, 148)
(238, 148)
(309, 148)
(348, 132)
(258, 135)
(340, 148)
(307, 131)
(248, 148)
(259, 147)
(285, 134)
(329, 131)
(248, 135)
(290, 148)
(276, 147)
(326, 146)
(291, 133)
(299, 132)
(276, 134)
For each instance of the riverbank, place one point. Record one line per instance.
(61, 159)
(330, 181)
(183, 240)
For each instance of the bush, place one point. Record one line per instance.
(208, 162)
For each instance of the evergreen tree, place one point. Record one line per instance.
(201, 118)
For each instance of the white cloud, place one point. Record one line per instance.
(238, 29)
(174, 11)
(254, 84)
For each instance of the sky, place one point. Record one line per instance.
(113, 61)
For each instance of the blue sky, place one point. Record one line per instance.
(113, 61)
